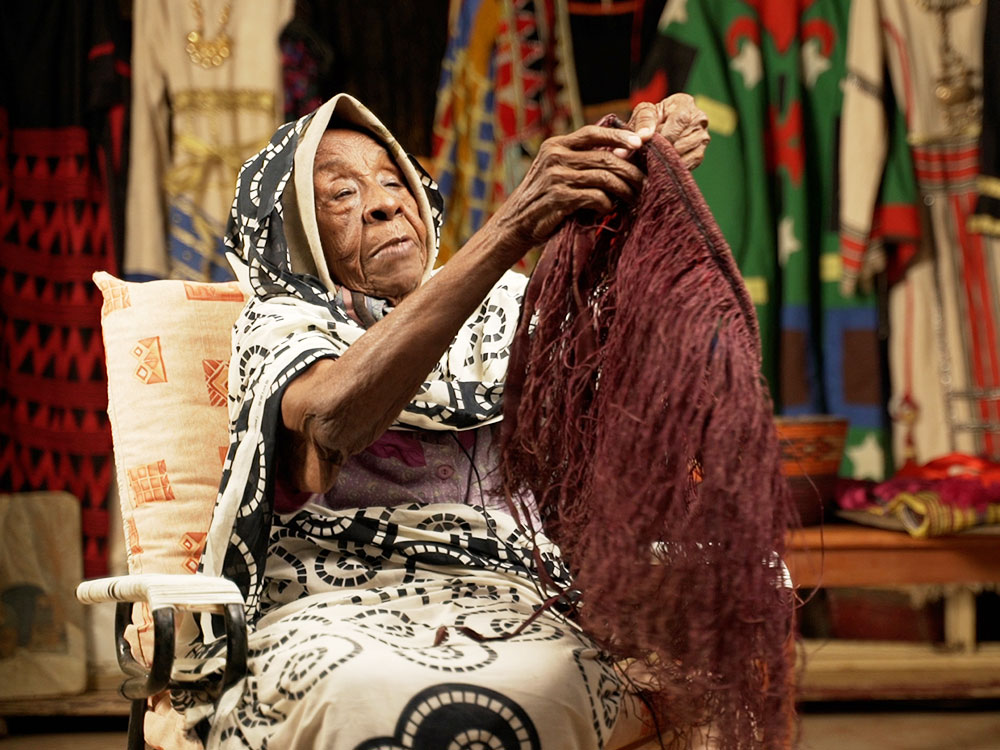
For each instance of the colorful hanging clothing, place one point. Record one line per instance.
(944, 313)
(506, 85)
(194, 121)
(645, 32)
(768, 75)
(60, 150)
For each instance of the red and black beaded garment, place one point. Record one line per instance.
(61, 118)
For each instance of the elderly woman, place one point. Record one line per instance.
(395, 601)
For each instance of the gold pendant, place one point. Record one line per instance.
(958, 93)
(208, 53)
(956, 89)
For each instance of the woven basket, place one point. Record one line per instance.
(812, 448)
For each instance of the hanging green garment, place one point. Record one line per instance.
(768, 74)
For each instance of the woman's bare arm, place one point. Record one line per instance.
(338, 407)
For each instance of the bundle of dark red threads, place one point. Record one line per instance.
(636, 415)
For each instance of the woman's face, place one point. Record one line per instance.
(373, 237)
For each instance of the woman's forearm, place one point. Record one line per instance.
(338, 407)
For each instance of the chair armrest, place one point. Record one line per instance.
(184, 591)
(165, 594)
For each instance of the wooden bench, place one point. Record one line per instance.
(839, 555)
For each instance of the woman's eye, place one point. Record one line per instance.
(391, 178)
(343, 193)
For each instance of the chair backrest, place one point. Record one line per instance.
(167, 346)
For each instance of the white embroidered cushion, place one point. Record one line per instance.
(167, 345)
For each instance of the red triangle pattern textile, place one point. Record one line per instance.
(55, 231)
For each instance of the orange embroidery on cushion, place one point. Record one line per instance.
(133, 538)
(213, 292)
(194, 543)
(216, 377)
(150, 368)
(150, 484)
(116, 296)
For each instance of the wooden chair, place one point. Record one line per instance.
(167, 350)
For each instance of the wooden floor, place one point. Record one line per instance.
(901, 730)
(823, 728)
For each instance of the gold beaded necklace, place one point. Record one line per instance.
(956, 89)
(209, 53)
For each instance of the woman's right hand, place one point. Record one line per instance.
(571, 172)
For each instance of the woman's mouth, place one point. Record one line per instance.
(394, 247)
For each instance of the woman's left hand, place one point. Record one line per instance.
(678, 119)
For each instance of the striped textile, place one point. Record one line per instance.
(944, 310)
(506, 85)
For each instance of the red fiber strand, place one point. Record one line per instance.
(636, 415)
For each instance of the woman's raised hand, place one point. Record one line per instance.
(587, 169)
(678, 119)
(581, 170)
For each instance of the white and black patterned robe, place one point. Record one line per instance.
(374, 626)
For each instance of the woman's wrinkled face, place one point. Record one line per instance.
(373, 237)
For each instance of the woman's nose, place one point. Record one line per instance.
(382, 205)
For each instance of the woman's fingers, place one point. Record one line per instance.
(588, 169)
(678, 119)
(621, 141)
(591, 137)
(645, 120)
(604, 180)
(568, 201)
(683, 108)
(540, 205)
(691, 146)
(580, 161)
(571, 189)
(572, 172)
(692, 140)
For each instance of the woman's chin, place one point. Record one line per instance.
(398, 285)
(396, 290)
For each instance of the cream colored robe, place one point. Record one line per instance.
(192, 128)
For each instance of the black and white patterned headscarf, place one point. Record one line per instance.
(297, 315)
